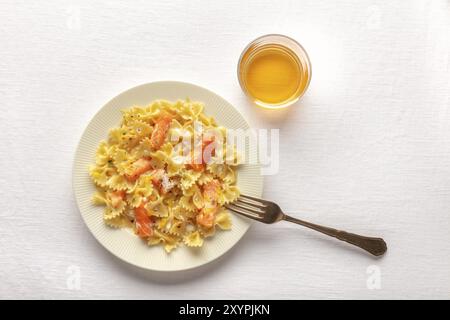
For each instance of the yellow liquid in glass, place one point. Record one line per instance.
(273, 75)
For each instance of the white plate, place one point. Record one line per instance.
(124, 244)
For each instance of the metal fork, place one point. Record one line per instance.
(269, 212)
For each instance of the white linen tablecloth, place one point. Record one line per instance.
(367, 150)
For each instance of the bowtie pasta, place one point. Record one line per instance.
(168, 190)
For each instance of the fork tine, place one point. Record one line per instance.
(253, 204)
(255, 199)
(241, 212)
(247, 208)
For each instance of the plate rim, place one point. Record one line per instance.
(77, 200)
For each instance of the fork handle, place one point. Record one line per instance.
(375, 246)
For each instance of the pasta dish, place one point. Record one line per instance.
(166, 172)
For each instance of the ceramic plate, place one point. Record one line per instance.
(122, 242)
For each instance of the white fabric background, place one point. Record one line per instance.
(367, 150)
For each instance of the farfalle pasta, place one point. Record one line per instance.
(167, 172)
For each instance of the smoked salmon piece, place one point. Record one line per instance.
(143, 222)
(162, 126)
(140, 166)
(200, 160)
(210, 196)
